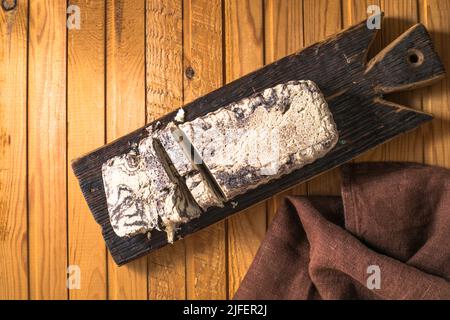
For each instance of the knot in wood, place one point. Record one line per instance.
(189, 73)
(9, 5)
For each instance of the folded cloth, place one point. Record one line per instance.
(387, 237)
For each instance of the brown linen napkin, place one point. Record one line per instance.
(392, 216)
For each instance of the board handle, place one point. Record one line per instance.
(408, 62)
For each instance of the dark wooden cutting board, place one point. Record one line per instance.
(353, 88)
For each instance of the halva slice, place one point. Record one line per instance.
(141, 196)
(199, 186)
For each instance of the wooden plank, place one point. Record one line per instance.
(354, 11)
(13, 153)
(321, 19)
(354, 92)
(206, 250)
(47, 149)
(125, 75)
(166, 267)
(283, 25)
(244, 44)
(436, 99)
(86, 131)
(399, 16)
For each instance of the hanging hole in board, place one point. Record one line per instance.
(415, 57)
(9, 5)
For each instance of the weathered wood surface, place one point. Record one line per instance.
(283, 29)
(436, 99)
(203, 54)
(164, 51)
(125, 106)
(85, 131)
(323, 20)
(283, 36)
(47, 150)
(354, 92)
(13, 155)
(244, 53)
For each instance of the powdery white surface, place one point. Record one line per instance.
(172, 141)
(139, 191)
(127, 188)
(263, 137)
(180, 115)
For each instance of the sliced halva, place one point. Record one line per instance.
(141, 196)
(128, 195)
(199, 186)
(264, 136)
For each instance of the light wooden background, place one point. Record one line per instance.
(65, 92)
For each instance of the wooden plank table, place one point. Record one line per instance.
(67, 91)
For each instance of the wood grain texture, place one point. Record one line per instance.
(354, 11)
(435, 15)
(322, 18)
(125, 94)
(283, 25)
(244, 44)
(164, 50)
(47, 149)
(354, 93)
(399, 15)
(13, 154)
(206, 250)
(41, 173)
(86, 131)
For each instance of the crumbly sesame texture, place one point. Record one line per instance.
(171, 139)
(141, 196)
(263, 137)
(158, 185)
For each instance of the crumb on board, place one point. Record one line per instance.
(180, 115)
